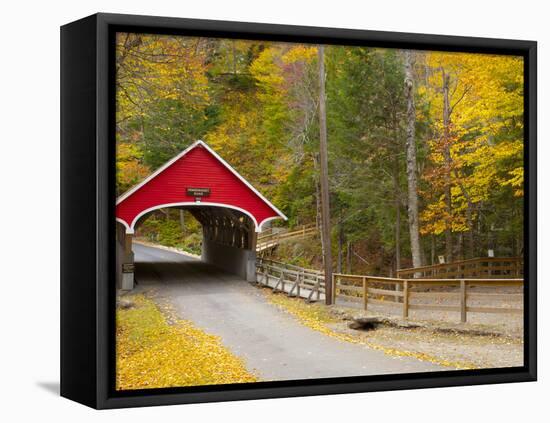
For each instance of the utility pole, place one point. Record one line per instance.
(323, 156)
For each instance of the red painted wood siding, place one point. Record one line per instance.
(196, 169)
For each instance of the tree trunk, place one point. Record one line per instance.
(397, 203)
(398, 240)
(166, 214)
(411, 162)
(340, 245)
(471, 243)
(234, 54)
(396, 190)
(447, 157)
(323, 156)
(317, 193)
(469, 211)
(348, 257)
(469, 217)
(182, 221)
(460, 245)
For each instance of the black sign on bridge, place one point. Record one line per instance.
(128, 268)
(198, 192)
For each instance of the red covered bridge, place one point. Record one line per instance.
(230, 210)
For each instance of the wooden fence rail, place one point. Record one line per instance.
(465, 295)
(272, 239)
(428, 294)
(483, 268)
(294, 280)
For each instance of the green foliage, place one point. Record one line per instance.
(366, 120)
(165, 229)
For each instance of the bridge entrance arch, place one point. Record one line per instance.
(230, 210)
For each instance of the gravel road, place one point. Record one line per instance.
(274, 345)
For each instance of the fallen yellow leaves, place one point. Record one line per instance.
(318, 317)
(153, 352)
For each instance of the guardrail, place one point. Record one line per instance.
(293, 280)
(484, 267)
(403, 295)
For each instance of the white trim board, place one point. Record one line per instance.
(258, 226)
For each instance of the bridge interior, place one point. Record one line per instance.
(228, 242)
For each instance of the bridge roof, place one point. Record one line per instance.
(198, 166)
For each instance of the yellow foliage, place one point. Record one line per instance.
(486, 101)
(129, 168)
(156, 67)
(153, 352)
(300, 53)
(266, 70)
(516, 181)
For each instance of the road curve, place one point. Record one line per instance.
(273, 344)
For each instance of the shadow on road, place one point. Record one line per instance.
(192, 274)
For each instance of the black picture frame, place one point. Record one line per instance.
(88, 223)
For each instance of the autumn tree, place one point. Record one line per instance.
(477, 149)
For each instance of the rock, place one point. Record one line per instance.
(370, 319)
(125, 304)
(366, 323)
(404, 324)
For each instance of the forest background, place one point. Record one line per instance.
(448, 124)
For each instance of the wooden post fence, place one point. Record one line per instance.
(365, 292)
(333, 291)
(405, 299)
(460, 296)
(463, 307)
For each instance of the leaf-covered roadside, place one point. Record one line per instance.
(154, 352)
